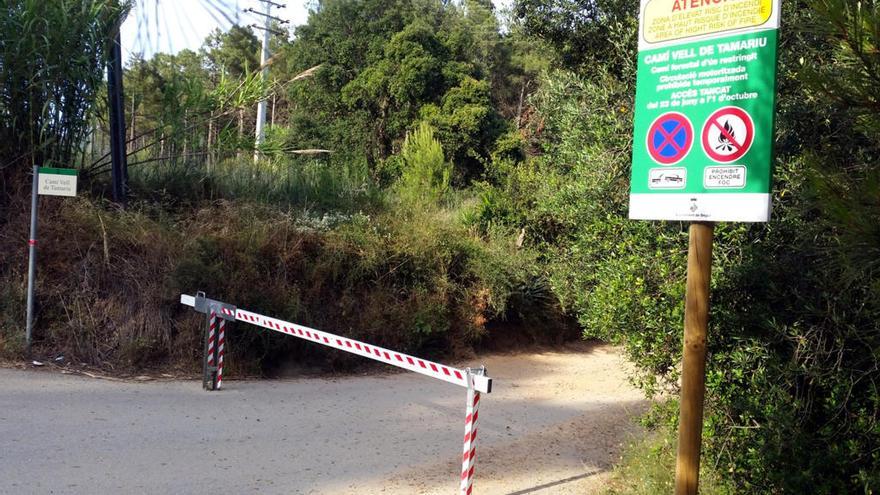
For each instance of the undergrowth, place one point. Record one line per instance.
(647, 467)
(413, 279)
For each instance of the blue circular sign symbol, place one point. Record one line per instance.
(670, 138)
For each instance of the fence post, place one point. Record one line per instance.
(469, 455)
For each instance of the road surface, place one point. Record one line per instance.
(552, 425)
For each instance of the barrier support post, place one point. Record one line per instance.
(217, 314)
(220, 352)
(209, 368)
(469, 455)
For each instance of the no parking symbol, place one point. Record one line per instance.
(670, 138)
(727, 134)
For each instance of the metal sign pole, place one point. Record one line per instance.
(32, 261)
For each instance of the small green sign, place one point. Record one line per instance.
(705, 100)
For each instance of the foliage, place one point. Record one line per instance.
(184, 116)
(467, 126)
(852, 76)
(385, 66)
(414, 281)
(809, 341)
(315, 185)
(392, 88)
(584, 33)
(52, 58)
(234, 52)
(612, 273)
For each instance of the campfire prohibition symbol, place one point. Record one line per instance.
(728, 134)
(726, 145)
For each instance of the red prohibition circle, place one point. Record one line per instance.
(665, 142)
(741, 144)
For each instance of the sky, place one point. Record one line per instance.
(172, 25)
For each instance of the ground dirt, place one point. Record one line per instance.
(554, 424)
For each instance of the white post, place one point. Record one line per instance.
(261, 106)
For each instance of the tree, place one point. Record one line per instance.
(392, 89)
(468, 126)
(234, 52)
(386, 66)
(426, 175)
(585, 33)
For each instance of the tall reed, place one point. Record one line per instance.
(52, 60)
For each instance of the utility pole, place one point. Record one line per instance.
(264, 59)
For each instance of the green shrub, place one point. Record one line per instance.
(426, 175)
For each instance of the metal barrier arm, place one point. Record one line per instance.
(411, 363)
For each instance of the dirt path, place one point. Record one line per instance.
(553, 425)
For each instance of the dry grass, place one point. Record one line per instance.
(109, 282)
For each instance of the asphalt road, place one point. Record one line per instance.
(553, 424)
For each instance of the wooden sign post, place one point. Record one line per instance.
(693, 371)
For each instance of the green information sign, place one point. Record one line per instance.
(705, 101)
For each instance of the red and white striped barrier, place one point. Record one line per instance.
(209, 373)
(476, 382)
(422, 366)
